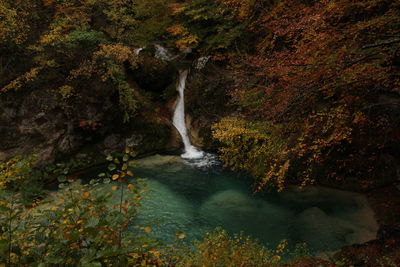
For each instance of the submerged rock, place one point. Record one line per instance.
(233, 209)
(319, 231)
(157, 160)
(323, 232)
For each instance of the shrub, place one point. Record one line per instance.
(79, 225)
(220, 249)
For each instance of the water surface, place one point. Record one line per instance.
(189, 198)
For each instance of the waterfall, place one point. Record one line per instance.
(178, 120)
(138, 50)
(162, 53)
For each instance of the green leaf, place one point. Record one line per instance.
(112, 167)
(92, 264)
(62, 178)
(54, 259)
(92, 222)
(132, 163)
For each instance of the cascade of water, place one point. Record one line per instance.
(138, 50)
(162, 53)
(178, 120)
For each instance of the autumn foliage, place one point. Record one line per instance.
(325, 78)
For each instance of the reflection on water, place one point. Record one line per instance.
(184, 198)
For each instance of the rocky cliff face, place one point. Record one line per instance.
(90, 122)
(207, 102)
(40, 121)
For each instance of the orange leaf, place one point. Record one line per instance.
(114, 188)
(181, 236)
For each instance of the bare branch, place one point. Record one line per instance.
(381, 44)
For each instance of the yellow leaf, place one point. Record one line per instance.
(181, 236)
(130, 187)
(114, 188)
(130, 173)
(147, 229)
(115, 177)
(85, 194)
(134, 255)
(155, 253)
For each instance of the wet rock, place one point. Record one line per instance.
(323, 232)
(194, 127)
(112, 142)
(68, 143)
(157, 160)
(8, 114)
(134, 140)
(319, 231)
(154, 75)
(45, 157)
(40, 121)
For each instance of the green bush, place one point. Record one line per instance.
(83, 39)
(80, 225)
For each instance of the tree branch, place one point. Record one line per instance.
(381, 44)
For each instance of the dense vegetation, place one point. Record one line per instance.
(313, 89)
(319, 98)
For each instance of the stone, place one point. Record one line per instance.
(232, 208)
(112, 141)
(134, 140)
(67, 144)
(45, 157)
(8, 114)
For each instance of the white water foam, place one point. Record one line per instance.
(206, 161)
